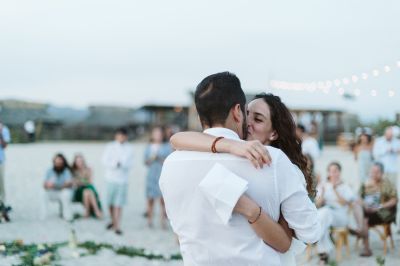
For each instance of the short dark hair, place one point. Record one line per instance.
(380, 166)
(216, 95)
(301, 128)
(122, 131)
(337, 164)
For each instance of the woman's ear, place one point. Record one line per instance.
(274, 136)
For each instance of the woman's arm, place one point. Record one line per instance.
(271, 232)
(253, 150)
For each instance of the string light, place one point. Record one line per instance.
(340, 84)
(337, 82)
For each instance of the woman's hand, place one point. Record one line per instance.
(253, 150)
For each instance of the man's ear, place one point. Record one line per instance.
(274, 136)
(237, 113)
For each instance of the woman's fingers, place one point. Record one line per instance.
(263, 153)
(256, 159)
(252, 159)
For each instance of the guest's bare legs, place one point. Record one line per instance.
(367, 250)
(163, 214)
(150, 207)
(93, 203)
(86, 202)
(359, 217)
(116, 218)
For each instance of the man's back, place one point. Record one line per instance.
(204, 239)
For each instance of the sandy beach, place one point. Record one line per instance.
(25, 169)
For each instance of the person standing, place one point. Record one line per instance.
(363, 154)
(155, 153)
(29, 127)
(4, 140)
(201, 189)
(386, 150)
(117, 158)
(309, 144)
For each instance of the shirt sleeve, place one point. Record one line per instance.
(378, 149)
(48, 175)
(68, 175)
(107, 159)
(296, 206)
(6, 135)
(348, 194)
(127, 158)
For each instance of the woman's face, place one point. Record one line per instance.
(58, 162)
(364, 139)
(79, 162)
(334, 174)
(157, 135)
(259, 126)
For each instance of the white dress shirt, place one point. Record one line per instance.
(204, 238)
(386, 152)
(310, 146)
(118, 159)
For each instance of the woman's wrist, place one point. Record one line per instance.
(223, 146)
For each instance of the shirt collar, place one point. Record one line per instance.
(222, 132)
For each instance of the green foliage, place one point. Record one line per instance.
(332, 263)
(380, 260)
(47, 254)
(379, 127)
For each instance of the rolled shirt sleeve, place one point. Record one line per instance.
(296, 206)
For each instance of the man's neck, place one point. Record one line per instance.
(223, 126)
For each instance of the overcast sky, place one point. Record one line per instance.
(77, 53)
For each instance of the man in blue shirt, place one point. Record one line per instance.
(4, 140)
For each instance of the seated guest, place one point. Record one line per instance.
(333, 200)
(379, 200)
(85, 192)
(58, 183)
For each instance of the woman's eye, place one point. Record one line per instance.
(258, 120)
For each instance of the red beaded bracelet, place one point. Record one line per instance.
(213, 149)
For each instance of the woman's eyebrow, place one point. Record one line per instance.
(260, 114)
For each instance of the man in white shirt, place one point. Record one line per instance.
(4, 140)
(386, 150)
(205, 238)
(117, 158)
(309, 145)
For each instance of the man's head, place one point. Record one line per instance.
(121, 135)
(220, 102)
(389, 133)
(300, 131)
(377, 171)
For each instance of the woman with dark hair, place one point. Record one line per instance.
(58, 183)
(155, 153)
(363, 154)
(85, 191)
(333, 200)
(269, 122)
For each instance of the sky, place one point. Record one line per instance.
(77, 53)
